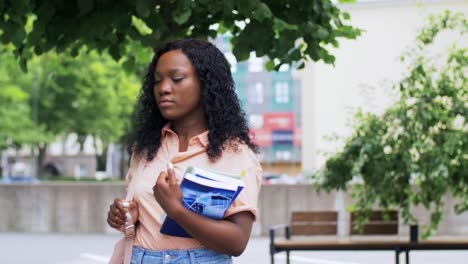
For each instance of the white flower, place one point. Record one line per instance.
(447, 102)
(398, 132)
(458, 122)
(435, 129)
(387, 150)
(414, 154)
(411, 101)
(396, 122)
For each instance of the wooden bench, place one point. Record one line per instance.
(313, 223)
(380, 223)
(325, 223)
(303, 223)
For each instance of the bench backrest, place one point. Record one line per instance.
(378, 224)
(314, 223)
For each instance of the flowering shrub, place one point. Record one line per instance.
(417, 151)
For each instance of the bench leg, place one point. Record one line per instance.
(272, 258)
(287, 256)
(397, 256)
(407, 257)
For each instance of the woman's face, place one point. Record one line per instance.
(177, 87)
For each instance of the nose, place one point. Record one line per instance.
(163, 87)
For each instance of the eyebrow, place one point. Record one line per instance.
(171, 71)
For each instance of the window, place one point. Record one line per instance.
(257, 94)
(283, 155)
(255, 121)
(81, 170)
(255, 63)
(282, 92)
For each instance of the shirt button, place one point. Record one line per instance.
(167, 257)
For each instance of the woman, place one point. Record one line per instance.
(189, 115)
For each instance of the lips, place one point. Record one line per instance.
(165, 103)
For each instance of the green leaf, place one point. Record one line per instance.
(142, 8)
(129, 64)
(85, 6)
(346, 15)
(182, 12)
(346, 1)
(262, 12)
(182, 17)
(23, 64)
(322, 33)
(114, 51)
(280, 25)
(295, 55)
(270, 65)
(245, 7)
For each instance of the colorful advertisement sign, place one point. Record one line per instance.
(282, 137)
(279, 120)
(261, 136)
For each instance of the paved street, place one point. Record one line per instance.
(19, 248)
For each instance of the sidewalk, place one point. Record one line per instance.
(18, 248)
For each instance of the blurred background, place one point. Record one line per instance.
(355, 105)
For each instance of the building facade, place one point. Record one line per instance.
(365, 70)
(271, 101)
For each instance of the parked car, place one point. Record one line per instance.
(271, 178)
(278, 178)
(19, 179)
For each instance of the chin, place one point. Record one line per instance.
(168, 117)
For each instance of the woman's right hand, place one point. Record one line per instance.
(117, 215)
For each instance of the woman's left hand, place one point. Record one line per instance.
(167, 192)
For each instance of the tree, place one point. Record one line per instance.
(88, 95)
(416, 152)
(16, 124)
(291, 31)
(105, 101)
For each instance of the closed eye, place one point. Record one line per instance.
(177, 79)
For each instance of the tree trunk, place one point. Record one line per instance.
(40, 159)
(101, 158)
(81, 140)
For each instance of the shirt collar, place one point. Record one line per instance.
(202, 137)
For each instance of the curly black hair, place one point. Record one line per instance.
(224, 115)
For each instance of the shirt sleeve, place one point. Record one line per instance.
(248, 197)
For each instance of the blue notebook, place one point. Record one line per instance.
(205, 192)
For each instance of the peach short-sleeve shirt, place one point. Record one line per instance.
(142, 177)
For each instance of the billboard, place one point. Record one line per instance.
(282, 137)
(261, 136)
(279, 120)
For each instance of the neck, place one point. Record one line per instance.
(186, 129)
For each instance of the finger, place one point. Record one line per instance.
(114, 222)
(118, 205)
(161, 179)
(116, 219)
(114, 210)
(113, 225)
(172, 179)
